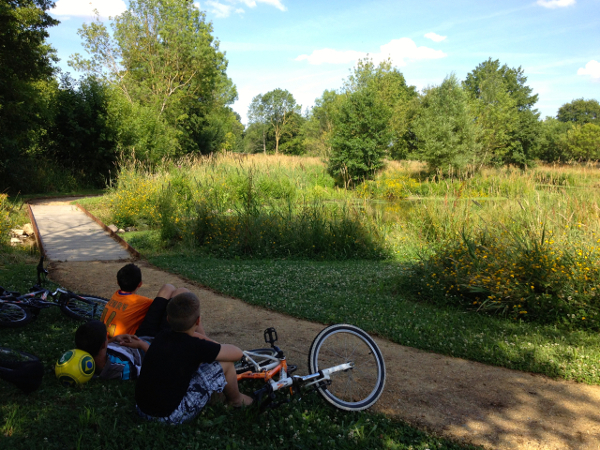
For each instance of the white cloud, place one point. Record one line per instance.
(404, 49)
(252, 3)
(328, 55)
(83, 8)
(552, 4)
(592, 69)
(222, 10)
(435, 37)
(400, 51)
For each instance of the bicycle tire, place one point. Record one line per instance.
(89, 308)
(22, 369)
(10, 357)
(355, 389)
(13, 315)
(242, 366)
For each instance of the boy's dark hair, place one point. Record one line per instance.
(129, 277)
(182, 311)
(90, 337)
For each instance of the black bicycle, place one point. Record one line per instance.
(18, 309)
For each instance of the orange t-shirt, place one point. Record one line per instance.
(124, 313)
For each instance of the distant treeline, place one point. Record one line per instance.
(156, 87)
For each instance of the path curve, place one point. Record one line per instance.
(464, 400)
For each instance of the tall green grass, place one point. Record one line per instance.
(519, 243)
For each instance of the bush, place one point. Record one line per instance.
(533, 265)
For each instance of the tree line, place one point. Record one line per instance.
(155, 86)
(488, 119)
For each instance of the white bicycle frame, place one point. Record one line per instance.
(284, 379)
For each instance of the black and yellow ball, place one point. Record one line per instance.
(74, 367)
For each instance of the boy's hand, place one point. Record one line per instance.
(131, 341)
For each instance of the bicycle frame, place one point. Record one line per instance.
(278, 365)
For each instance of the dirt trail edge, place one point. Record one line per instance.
(463, 400)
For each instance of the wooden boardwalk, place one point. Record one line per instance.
(67, 234)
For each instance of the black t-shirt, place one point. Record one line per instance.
(167, 370)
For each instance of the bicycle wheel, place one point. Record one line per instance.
(244, 366)
(86, 307)
(13, 315)
(355, 389)
(22, 369)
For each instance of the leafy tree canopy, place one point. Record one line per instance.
(163, 57)
(505, 112)
(26, 60)
(445, 135)
(361, 137)
(276, 108)
(579, 111)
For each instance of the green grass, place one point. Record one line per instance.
(101, 414)
(367, 294)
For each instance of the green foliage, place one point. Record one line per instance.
(276, 111)
(569, 141)
(524, 261)
(511, 129)
(25, 64)
(445, 135)
(319, 124)
(83, 136)
(579, 111)
(392, 93)
(553, 142)
(164, 60)
(360, 137)
(583, 142)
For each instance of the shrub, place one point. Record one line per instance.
(530, 264)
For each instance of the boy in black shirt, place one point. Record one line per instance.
(183, 368)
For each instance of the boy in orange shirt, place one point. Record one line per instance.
(126, 310)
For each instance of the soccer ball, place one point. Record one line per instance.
(74, 367)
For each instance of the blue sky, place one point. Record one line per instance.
(307, 46)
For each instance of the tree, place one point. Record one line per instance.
(318, 126)
(445, 134)
(583, 142)
(275, 108)
(26, 63)
(392, 93)
(83, 135)
(580, 111)
(505, 112)
(162, 56)
(553, 143)
(360, 137)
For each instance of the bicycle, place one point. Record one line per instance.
(18, 309)
(346, 368)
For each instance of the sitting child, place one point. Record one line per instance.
(120, 358)
(126, 310)
(183, 368)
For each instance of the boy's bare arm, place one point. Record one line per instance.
(229, 353)
(129, 340)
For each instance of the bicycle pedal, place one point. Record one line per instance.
(291, 369)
